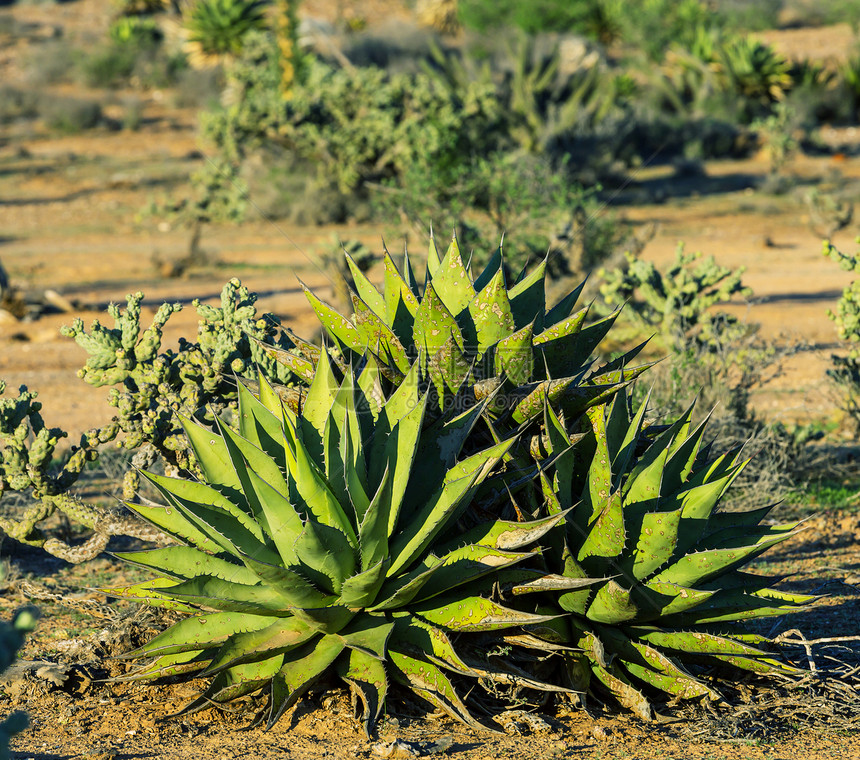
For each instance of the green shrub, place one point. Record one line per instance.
(70, 115)
(846, 369)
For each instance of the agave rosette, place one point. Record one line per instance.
(472, 337)
(641, 513)
(308, 548)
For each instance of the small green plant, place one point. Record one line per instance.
(11, 640)
(215, 29)
(641, 516)
(135, 30)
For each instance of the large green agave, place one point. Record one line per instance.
(645, 521)
(309, 549)
(472, 337)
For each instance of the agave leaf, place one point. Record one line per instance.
(400, 450)
(528, 298)
(369, 634)
(486, 274)
(699, 567)
(300, 366)
(612, 604)
(175, 664)
(656, 542)
(552, 582)
(763, 666)
(658, 599)
(644, 483)
(368, 293)
(302, 668)
(556, 348)
(295, 589)
(180, 492)
(473, 613)
(434, 325)
(212, 457)
(451, 280)
(218, 594)
(448, 368)
(327, 553)
(171, 521)
(336, 325)
(682, 459)
(654, 668)
(152, 593)
(401, 590)
(427, 680)
(490, 312)
(259, 425)
(317, 495)
(276, 638)
(465, 565)
(433, 258)
(433, 642)
(367, 679)
(623, 453)
(187, 562)
(444, 506)
(624, 691)
(315, 412)
(199, 632)
(361, 589)
(373, 531)
(378, 337)
(505, 534)
(237, 682)
(258, 473)
(605, 538)
(514, 357)
(227, 530)
(401, 305)
(720, 520)
(576, 348)
(694, 642)
(736, 605)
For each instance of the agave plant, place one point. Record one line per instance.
(641, 515)
(473, 337)
(324, 542)
(215, 29)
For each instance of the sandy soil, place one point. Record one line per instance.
(70, 222)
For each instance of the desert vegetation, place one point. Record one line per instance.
(512, 474)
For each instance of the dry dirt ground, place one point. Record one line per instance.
(70, 222)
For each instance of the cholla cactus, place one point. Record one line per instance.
(149, 385)
(677, 303)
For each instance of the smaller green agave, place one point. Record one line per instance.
(324, 542)
(669, 592)
(472, 336)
